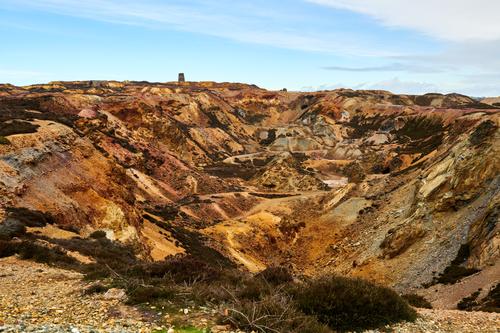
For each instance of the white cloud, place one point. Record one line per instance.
(472, 85)
(239, 21)
(393, 67)
(398, 86)
(455, 20)
(23, 73)
(14, 75)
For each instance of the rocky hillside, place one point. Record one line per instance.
(403, 190)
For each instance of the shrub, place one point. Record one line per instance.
(4, 140)
(10, 228)
(142, 294)
(347, 304)
(483, 132)
(30, 217)
(275, 275)
(254, 289)
(275, 313)
(180, 269)
(27, 249)
(98, 234)
(214, 293)
(69, 227)
(17, 127)
(49, 255)
(468, 303)
(106, 252)
(95, 288)
(7, 249)
(491, 303)
(417, 301)
(455, 273)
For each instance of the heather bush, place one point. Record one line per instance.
(349, 304)
(10, 228)
(275, 275)
(417, 301)
(274, 313)
(98, 234)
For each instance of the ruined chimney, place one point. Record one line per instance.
(181, 77)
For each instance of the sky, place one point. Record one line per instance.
(405, 46)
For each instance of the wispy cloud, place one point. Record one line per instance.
(394, 67)
(426, 43)
(10, 75)
(394, 85)
(399, 86)
(239, 21)
(455, 20)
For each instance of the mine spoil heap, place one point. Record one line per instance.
(401, 190)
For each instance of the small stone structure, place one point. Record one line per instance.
(181, 77)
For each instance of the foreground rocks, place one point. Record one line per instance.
(449, 321)
(38, 298)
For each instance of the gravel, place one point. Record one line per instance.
(39, 298)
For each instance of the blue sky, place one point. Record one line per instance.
(399, 45)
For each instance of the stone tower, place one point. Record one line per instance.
(181, 77)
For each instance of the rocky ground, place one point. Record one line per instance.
(449, 321)
(39, 298)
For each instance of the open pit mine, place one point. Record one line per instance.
(399, 190)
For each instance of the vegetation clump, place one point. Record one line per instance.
(11, 228)
(346, 304)
(417, 301)
(482, 132)
(275, 313)
(270, 301)
(489, 303)
(275, 275)
(15, 126)
(469, 302)
(98, 234)
(28, 249)
(30, 217)
(4, 140)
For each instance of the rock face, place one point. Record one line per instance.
(365, 183)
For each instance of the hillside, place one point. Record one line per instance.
(401, 190)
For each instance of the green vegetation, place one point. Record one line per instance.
(4, 140)
(346, 304)
(15, 126)
(270, 301)
(417, 301)
(273, 313)
(490, 303)
(98, 234)
(483, 132)
(469, 302)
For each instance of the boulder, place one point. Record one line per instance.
(400, 239)
(87, 113)
(115, 294)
